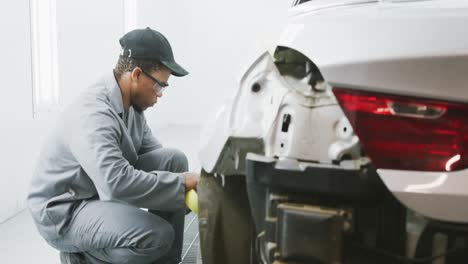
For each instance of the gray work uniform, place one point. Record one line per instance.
(97, 169)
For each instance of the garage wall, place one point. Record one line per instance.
(216, 41)
(88, 33)
(87, 47)
(20, 134)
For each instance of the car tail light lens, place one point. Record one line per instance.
(408, 133)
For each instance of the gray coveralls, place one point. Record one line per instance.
(97, 169)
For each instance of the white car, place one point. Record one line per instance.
(348, 143)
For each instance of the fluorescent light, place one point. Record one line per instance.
(130, 15)
(44, 55)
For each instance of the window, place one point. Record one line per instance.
(298, 2)
(44, 56)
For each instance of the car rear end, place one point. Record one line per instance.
(366, 150)
(399, 75)
(398, 72)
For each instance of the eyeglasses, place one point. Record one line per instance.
(159, 86)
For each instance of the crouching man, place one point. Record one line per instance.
(101, 164)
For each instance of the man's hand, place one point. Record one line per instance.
(191, 180)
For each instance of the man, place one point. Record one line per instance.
(102, 164)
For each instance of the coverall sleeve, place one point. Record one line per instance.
(149, 142)
(95, 144)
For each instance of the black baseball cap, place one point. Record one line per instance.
(148, 43)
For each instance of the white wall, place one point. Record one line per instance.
(87, 46)
(88, 33)
(20, 134)
(214, 40)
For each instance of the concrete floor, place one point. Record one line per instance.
(21, 243)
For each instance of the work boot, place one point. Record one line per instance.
(72, 258)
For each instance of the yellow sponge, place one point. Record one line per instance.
(191, 199)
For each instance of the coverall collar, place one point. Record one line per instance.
(115, 95)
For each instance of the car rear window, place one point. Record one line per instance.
(298, 2)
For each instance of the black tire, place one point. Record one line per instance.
(225, 222)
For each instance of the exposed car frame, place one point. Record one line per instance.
(287, 157)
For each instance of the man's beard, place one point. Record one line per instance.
(135, 105)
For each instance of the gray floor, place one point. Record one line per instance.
(20, 243)
(190, 252)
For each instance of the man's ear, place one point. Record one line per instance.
(135, 74)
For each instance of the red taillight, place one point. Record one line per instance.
(408, 133)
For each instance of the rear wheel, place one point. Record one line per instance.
(225, 221)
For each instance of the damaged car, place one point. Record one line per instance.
(348, 143)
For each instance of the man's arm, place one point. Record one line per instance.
(149, 142)
(95, 144)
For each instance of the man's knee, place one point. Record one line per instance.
(179, 160)
(167, 159)
(162, 243)
(153, 244)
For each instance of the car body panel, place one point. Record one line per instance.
(437, 195)
(214, 136)
(411, 47)
(318, 123)
(247, 115)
